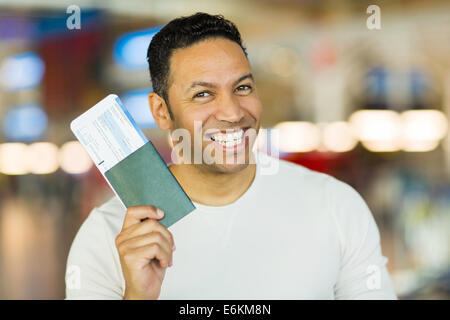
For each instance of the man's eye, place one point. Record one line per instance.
(202, 94)
(244, 88)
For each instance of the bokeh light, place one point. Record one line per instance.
(73, 158)
(338, 137)
(297, 136)
(136, 102)
(130, 50)
(378, 130)
(422, 129)
(42, 158)
(21, 71)
(14, 158)
(25, 122)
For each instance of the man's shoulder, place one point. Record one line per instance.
(112, 206)
(294, 172)
(112, 213)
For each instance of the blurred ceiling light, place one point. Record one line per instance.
(21, 71)
(338, 137)
(14, 158)
(25, 123)
(130, 50)
(73, 158)
(420, 145)
(381, 145)
(378, 130)
(136, 102)
(42, 158)
(423, 129)
(297, 136)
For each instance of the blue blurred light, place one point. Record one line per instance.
(130, 50)
(377, 81)
(136, 102)
(21, 71)
(26, 122)
(419, 82)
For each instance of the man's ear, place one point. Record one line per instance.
(159, 111)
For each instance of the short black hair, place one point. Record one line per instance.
(181, 33)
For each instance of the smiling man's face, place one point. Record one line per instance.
(211, 81)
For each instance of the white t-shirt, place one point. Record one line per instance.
(296, 234)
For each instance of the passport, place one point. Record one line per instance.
(128, 161)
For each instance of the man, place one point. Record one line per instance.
(296, 234)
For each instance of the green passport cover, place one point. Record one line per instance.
(143, 178)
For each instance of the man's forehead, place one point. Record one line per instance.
(212, 60)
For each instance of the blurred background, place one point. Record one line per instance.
(369, 106)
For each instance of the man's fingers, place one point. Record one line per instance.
(137, 213)
(144, 228)
(146, 239)
(150, 252)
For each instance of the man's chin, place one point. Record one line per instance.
(228, 168)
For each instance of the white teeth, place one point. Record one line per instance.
(230, 138)
(230, 143)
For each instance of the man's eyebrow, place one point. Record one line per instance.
(245, 76)
(212, 85)
(201, 84)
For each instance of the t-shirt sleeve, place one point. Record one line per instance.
(91, 271)
(363, 274)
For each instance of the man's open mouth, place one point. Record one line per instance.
(229, 137)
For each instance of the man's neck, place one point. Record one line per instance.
(213, 188)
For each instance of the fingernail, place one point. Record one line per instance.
(159, 212)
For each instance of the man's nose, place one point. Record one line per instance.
(229, 109)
